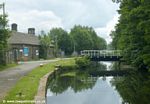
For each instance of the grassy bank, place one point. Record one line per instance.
(28, 85)
(7, 66)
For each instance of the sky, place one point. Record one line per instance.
(46, 14)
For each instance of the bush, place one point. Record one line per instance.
(82, 62)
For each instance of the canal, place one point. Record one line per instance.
(80, 87)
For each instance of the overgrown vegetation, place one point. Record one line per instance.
(4, 35)
(82, 62)
(132, 34)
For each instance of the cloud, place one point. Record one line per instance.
(61, 13)
(41, 20)
(95, 13)
(110, 26)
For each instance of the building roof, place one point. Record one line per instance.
(23, 38)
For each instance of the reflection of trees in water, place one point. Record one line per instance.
(134, 89)
(64, 81)
(115, 66)
(60, 84)
(96, 67)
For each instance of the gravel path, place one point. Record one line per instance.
(9, 77)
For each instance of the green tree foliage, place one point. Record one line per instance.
(86, 38)
(83, 62)
(62, 40)
(80, 38)
(4, 35)
(45, 43)
(132, 33)
(100, 43)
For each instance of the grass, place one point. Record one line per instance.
(28, 84)
(7, 66)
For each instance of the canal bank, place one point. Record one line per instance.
(9, 77)
(26, 87)
(77, 83)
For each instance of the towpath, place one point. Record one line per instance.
(9, 77)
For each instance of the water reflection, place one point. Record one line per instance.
(77, 79)
(99, 92)
(134, 88)
(77, 82)
(79, 87)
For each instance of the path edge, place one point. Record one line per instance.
(40, 97)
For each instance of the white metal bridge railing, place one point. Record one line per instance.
(98, 53)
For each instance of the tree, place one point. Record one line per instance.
(132, 34)
(80, 38)
(101, 43)
(45, 43)
(4, 35)
(62, 40)
(85, 38)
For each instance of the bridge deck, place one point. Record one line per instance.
(103, 55)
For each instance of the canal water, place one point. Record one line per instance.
(79, 87)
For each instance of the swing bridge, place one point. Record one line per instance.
(103, 55)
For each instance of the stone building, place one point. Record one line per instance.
(23, 46)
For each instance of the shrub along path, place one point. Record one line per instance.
(8, 78)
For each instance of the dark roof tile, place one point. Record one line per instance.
(23, 38)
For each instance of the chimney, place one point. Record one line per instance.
(14, 27)
(31, 31)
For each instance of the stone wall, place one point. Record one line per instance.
(16, 53)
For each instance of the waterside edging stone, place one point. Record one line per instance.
(40, 97)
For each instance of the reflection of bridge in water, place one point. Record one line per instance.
(111, 73)
(103, 55)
